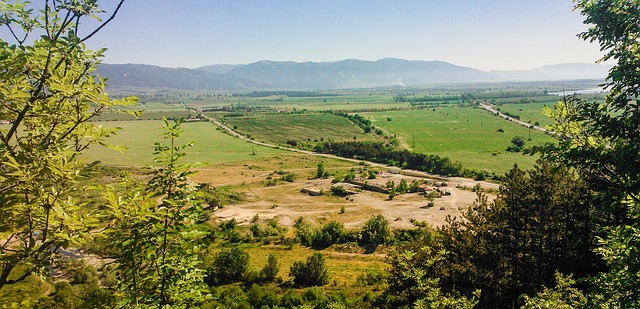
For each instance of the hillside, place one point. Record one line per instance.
(272, 75)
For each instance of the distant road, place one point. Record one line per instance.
(507, 117)
(457, 180)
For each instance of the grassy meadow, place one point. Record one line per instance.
(210, 145)
(530, 112)
(464, 134)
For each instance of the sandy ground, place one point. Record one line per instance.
(286, 202)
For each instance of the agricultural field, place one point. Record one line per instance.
(279, 129)
(210, 145)
(529, 112)
(464, 134)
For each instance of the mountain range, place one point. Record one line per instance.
(345, 74)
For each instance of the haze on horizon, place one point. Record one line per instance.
(486, 35)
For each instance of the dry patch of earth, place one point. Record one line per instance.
(286, 202)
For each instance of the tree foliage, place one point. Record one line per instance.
(153, 228)
(313, 272)
(229, 265)
(540, 223)
(270, 271)
(412, 283)
(375, 231)
(48, 93)
(602, 141)
(562, 296)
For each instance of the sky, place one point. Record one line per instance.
(483, 34)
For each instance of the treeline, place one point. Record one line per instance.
(424, 99)
(387, 154)
(362, 122)
(512, 115)
(291, 94)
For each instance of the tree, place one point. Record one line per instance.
(412, 284)
(49, 93)
(403, 187)
(562, 296)
(270, 271)
(375, 231)
(228, 266)
(517, 143)
(540, 223)
(321, 173)
(313, 272)
(153, 228)
(331, 233)
(602, 140)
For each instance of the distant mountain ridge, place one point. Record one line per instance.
(351, 73)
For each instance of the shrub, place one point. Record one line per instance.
(313, 272)
(375, 231)
(262, 297)
(270, 271)
(305, 233)
(289, 177)
(228, 225)
(228, 266)
(339, 191)
(330, 234)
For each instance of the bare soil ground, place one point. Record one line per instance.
(286, 202)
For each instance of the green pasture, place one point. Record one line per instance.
(147, 115)
(343, 106)
(337, 101)
(210, 145)
(530, 112)
(278, 129)
(464, 134)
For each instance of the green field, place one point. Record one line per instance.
(464, 134)
(530, 112)
(150, 111)
(279, 129)
(210, 145)
(330, 101)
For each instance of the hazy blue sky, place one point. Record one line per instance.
(484, 34)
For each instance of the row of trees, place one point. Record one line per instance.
(383, 153)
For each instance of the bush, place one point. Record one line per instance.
(262, 297)
(517, 144)
(375, 231)
(289, 177)
(305, 233)
(339, 191)
(270, 271)
(228, 225)
(228, 266)
(331, 233)
(313, 272)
